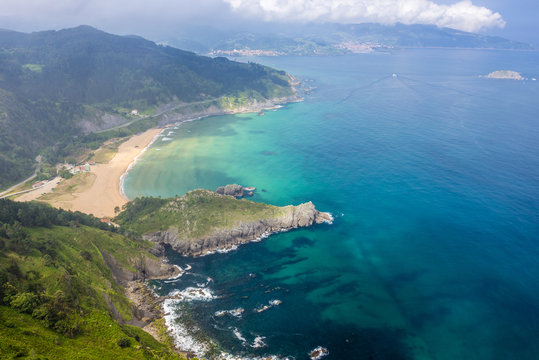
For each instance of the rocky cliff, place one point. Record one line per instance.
(290, 217)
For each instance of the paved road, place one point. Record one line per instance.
(156, 115)
(3, 193)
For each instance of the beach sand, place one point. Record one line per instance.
(101, 194)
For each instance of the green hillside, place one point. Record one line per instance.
(54, 83)
(60, 293)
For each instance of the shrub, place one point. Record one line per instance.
(86, 255)
(25, 302)
(123, 342)
(70, 327)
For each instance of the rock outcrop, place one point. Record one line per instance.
(291, 217)
(146, 268)
(505, 74)
(232, 190)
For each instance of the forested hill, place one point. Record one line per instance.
(52, 81)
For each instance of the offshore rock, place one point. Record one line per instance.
(232, 190)
(291, 217)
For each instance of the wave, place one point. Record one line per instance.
(180, 333)
(272, 303)
(193, 294)
(234, 312)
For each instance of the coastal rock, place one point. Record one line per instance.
(147, 268)
(290, 217)
(232, 190)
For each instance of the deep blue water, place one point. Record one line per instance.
(433, 177)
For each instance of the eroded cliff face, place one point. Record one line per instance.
(291, 217)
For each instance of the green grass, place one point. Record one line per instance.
(105, 153)
(22, 336)
(79, 255)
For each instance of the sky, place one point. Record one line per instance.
(155, 19)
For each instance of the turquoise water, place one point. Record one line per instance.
(433, 178)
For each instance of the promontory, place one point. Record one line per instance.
(204, 221)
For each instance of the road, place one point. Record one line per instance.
(156, 115)
(38, 167)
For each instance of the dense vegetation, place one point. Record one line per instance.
(197, 213)
(52, 83)
(58, 297)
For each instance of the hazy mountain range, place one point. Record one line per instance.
(324, 39)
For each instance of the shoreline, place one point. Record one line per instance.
(105, 191)
(101, 194)
(132, 163)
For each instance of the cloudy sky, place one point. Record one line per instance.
(513, 19)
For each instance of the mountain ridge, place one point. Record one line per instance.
(55, 84)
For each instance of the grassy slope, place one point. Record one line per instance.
(23, 336)
(69, 259)
(196, 214)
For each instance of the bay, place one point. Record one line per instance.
(432, 174)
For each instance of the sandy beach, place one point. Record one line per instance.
(101, 191)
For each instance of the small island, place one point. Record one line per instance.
(506, 75)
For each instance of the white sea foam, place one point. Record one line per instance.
(193, 294)
(167, 139)
(258, 342)
(272, 303)
(175, 278)
(238, 335)
(234, 312)
(221, 250)
(331, 219)
(227, 356)
(179, 332)
(227, 250)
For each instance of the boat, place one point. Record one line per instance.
(250, 189)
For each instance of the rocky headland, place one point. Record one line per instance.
(204, 221)
(292, 217)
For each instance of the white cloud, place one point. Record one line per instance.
(462, 15)
(134, 16)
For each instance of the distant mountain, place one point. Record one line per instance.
(324, 39)
(55, 85)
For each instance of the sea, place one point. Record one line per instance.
(431, 172)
